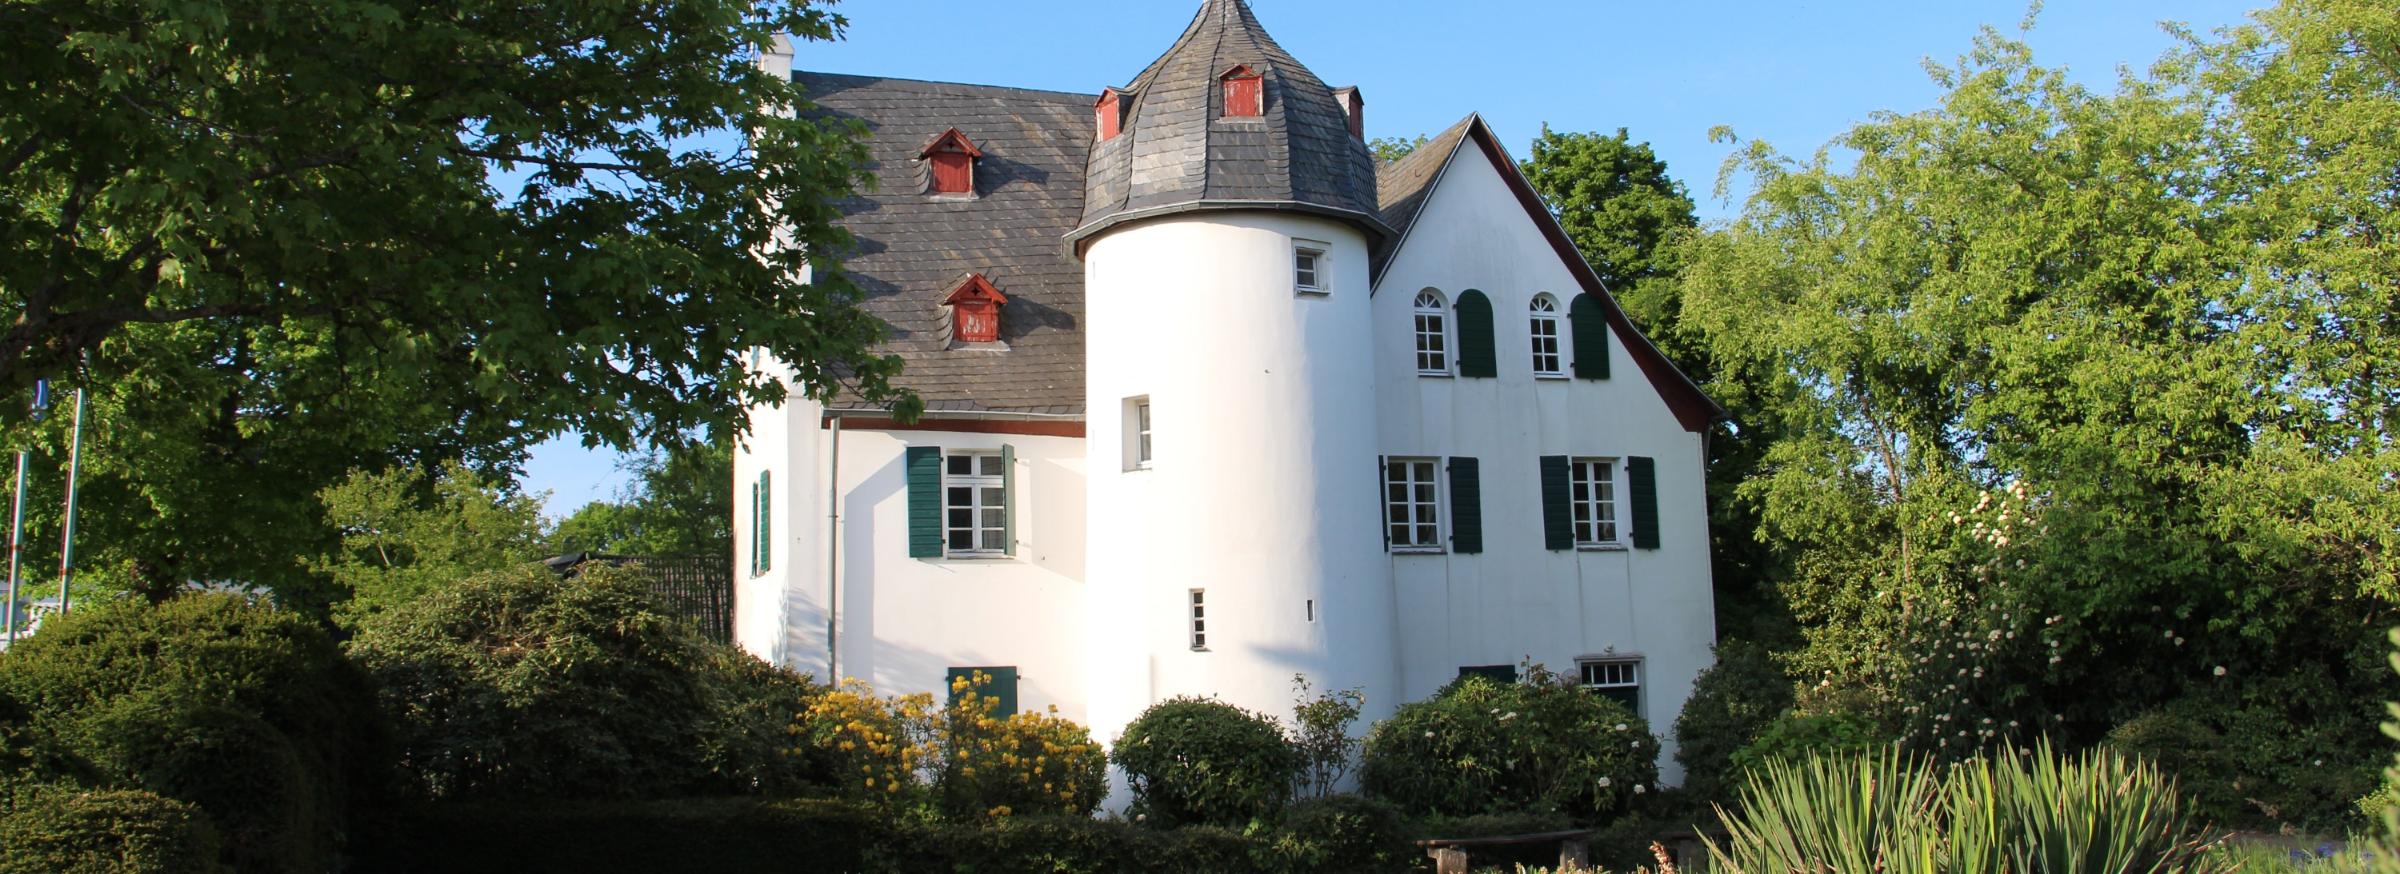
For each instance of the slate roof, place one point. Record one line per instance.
(1175, 153)
(1402, 186)
(914, 248)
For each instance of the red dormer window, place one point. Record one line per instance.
(1106, 115)
(1243, 96)
(975, 310)
(952, 156)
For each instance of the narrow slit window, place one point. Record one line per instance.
(1199, 619)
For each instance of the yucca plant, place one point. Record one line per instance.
(2009, 812)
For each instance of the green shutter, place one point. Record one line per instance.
(1641, 476)
(1630, 696)
(1475, 347)
(1558, 511)
(1589, 323)
(754, 508)
(924, 465)
(1383, 500)
(1466, 506)
(1000, 685)
(766, 523)
(1008, 499)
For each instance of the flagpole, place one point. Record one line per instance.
(16, 525)
(66, 546)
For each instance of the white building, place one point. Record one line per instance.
(1214, 400)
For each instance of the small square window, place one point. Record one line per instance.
(1309, 269)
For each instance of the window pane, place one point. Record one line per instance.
(993, 465)
(990, 540)
(961, 465)
(962, 539)
(992, 518)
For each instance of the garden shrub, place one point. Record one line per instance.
(1321, 736)
(1342, 834)
(877, 747)
(724, 835)
(750, 745)
(2261, 754)
(525, 684)
(217, 700)
(124, 831)
(1731, 703)
(1017, 764)
(2005, 811)
(1544, 744)
(1796, 735)
(1201, 761)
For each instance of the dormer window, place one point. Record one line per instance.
(1244, 98)
(1108, 114)
(952, 157)
(1354, 105)
(975, 311)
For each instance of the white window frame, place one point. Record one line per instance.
(1140, 445)
(1199, 620)
(1417, 512)
(1543, 327)
(1589, 507)
(976, 484)
(1429, 328)
(1614, 672)
(1315, 279)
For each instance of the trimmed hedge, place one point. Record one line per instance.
(1200, 761)
(54, 830)
(1542, 745)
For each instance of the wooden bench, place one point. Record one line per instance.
(1450, 854)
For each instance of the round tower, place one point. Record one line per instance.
(1235, 536)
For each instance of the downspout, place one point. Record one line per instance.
(833, 557)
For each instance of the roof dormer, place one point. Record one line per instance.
(974, 311)
(1245, 94)
(1108, 113)
(952, 158)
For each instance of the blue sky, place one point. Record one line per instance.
(1795, 74)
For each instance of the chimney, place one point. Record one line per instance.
(1354, 105)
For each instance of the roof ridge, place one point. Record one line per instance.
(1044, 92)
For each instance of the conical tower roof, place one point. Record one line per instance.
(1178, 152)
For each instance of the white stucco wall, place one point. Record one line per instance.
(1261, 490)
(1518, 600)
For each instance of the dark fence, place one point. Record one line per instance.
(698, 588)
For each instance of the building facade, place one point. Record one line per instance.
(1214, 400)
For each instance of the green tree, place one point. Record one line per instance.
(281, 241)
(406, 531)
(1389, 149)
(2084, 397)
(681, 503)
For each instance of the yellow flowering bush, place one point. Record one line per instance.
(878, 746)
(997, 765)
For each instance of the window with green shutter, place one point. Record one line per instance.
(996, 683)
(1476, 355)
(924, 471)
(1589, 323)
(1466, 506)
(1641, 478)
(766, 525)
(1619, 680)
(1558, 506)
(1008, 499)
(756, 505)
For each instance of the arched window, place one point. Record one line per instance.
(1433, 334)
(1547, 362)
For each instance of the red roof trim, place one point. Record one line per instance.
(955, 141)
(934, 422)
(1691, 406)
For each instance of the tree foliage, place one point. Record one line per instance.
(681, 503)
(1389, 149)
(2085, 395)
(407, 531)
(279, 241)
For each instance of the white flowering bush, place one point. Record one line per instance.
(1544, 744)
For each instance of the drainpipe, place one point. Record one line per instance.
(833, 557)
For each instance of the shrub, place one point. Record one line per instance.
(524, 684)
(1194, 760)
(1797, 735)
(1883, 811)
(1543, 745)
(120, 832)
(214, 699)
(1731, 703)
(715, 835)
(2263, 753)
(1321, 736)
(1343, 834)
(1022, 763)
(877, 746)
(750, 744)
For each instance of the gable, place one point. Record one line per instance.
(1411, 185)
